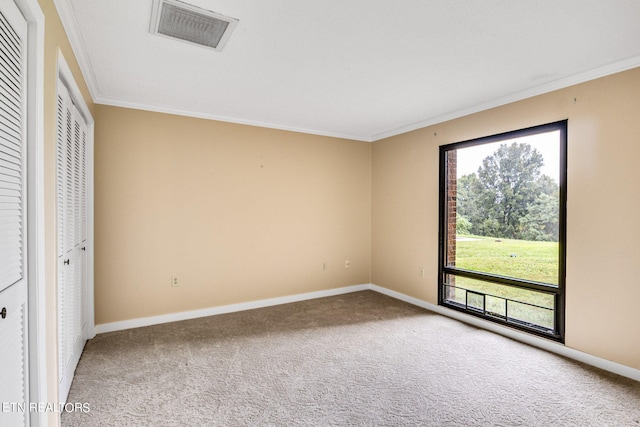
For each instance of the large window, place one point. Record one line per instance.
(502, 228)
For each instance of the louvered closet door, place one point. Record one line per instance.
(83, 228)
(72, 208)
(13, 217)
(79, 222)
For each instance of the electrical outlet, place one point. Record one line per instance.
(324, 266)
(347, 264)
(174, 281)
(421, 272)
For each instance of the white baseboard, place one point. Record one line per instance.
(533, 340)
(551, 346)
(194, 314)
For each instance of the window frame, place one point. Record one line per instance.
(443, 270)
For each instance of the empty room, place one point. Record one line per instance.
(319, 213)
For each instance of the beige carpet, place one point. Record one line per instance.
(360, 359)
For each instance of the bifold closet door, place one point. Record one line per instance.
(72, 235)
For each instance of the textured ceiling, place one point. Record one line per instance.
(360, 69)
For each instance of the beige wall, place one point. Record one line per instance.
(603, 208)
(55, 39)
(238, 213)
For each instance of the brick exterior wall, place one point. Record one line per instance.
(452, 188)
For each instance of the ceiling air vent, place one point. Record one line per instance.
(172, 18)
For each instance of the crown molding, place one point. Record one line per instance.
(70, 25)
(158, 108)
(563, 83)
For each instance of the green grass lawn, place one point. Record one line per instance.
(536, 261)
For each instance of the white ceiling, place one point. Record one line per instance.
(360, 69)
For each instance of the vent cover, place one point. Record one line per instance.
(181, 21)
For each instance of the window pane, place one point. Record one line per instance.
(503, 207)
(529, 315)
(529, 260)
(510, 303)
(475, 301)
(527, 296)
